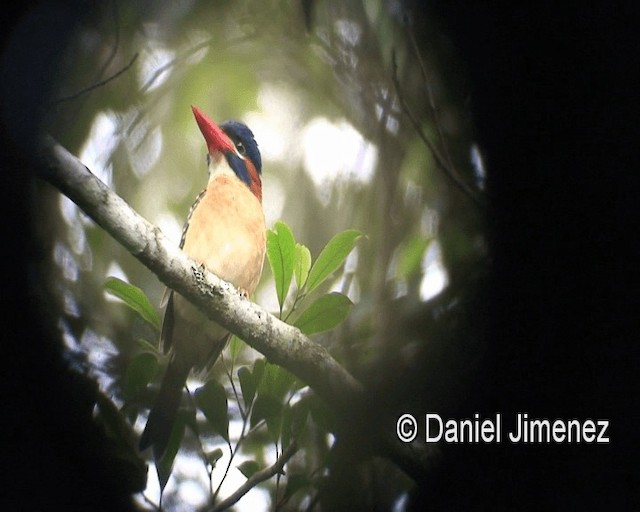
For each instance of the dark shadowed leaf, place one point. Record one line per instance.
(140, 372)
(322, 415)
(165, 464)
(247, 385)
(258, 370)
(211, 399)
(248, 468)
(122, 445)
(133, 297)
(294, 422)
(324, 314)
(266, 407)
(299, 415)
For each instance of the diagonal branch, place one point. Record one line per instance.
(101, 83)
(256, 478)
(281, 343)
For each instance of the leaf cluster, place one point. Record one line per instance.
(272, 404)
(290, 259)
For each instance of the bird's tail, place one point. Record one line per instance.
(163, 414)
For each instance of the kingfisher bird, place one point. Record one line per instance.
(226, 233)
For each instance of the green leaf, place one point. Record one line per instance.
(214, 456)
(211, 399)
(301, 265)
(268, 408)
(324, 313)
(276, 381)
(294, 421)
(165, 464)
(274, 426)
(410, 256)
(235, 347)
(258, 370)
(140, 371)
(281, 247)
(248, 468)
(247, 385)
(133, 297)
(332, 256)
(147, 346)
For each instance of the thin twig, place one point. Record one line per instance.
(229, 373)
(232, 454)
(430, 100)
(97, 84)
(150, 502)
(258, 477)
(182, 56)
(116, 42)
(278, 475)
(234, 450)
(439, 159)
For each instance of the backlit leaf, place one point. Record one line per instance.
(235, 347)
(410, 256)
(332, 256)
(301, 265)
(133, 297)
(281, 247)
(324, 314)
(276, 381)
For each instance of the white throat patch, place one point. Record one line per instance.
(218, 166)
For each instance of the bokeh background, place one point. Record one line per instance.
(315, 84)
(514, 295)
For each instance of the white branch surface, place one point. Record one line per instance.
(281, 343)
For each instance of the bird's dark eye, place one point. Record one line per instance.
(240, 147)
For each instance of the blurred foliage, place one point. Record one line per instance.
(310, 79)
(267, 390)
